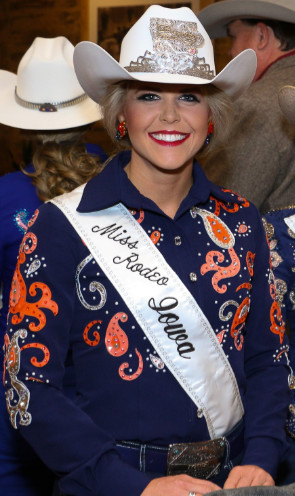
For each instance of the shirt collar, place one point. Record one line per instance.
(284, 56)
(112, 186)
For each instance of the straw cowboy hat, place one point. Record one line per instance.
(287, 102)
(164, 46)
(215, 17)
(45, 93)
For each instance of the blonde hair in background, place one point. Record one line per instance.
(61, 164)
(219, 103)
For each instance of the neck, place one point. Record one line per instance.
(165, 188)
(267, 60)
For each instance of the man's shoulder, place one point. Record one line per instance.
(280, 73)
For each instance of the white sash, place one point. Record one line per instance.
(290, 221)
(159, 300)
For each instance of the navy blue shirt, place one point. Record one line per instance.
(21, 472)
(56, 305)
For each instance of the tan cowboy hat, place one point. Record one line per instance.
(45, 93)
(164, 46)
(287, 102)
(216, 17)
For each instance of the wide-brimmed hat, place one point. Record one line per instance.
(45, 93)
(164, 46)
(287, 102)
(216, 17)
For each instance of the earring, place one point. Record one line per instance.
(121, 131)
(210, 132)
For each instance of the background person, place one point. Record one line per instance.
(280, 229)
(146, 274)
(258, 160)
(45, 74)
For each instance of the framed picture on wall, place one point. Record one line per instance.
(109, 20)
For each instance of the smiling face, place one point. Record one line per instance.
(167, 124)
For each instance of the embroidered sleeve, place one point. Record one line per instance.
(42, 310)
(266, 363)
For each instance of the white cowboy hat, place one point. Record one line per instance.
(287, 102)
(45, 93)
(216, 17)
(164, 46)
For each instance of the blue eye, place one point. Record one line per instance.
(148, 97)
(187, 97)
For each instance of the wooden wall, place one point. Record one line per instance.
(20, 22)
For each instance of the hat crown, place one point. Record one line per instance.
(168, 40)
(46, 72)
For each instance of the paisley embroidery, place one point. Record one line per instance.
(96, 340)
(19, 306)
(141, 215)
(157, 362)
(33, 218)
(136, 374)
(44, 350)
(217, 229)
(229, 207)
(250, 257)
(116, 340)
(281, 290)
(21, 220)
(239, 323)
(117, 344)
(276, 259)
(35, 265)
(241, 199)
(155, 237)
(277, 324)
(221, 272)
(94, 287)
(21, 404)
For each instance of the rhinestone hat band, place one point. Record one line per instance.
(48, 107)
(175, 45)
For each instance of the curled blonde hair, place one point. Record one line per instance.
(61, 163)
(218, 101)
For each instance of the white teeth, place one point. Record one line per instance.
(168, 137)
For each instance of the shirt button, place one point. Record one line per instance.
(177, 240)
(193, 276)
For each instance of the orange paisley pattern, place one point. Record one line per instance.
(96, 340)
(18, 304)
(44, 350)
(117, 344)
(221, 272)
(277, 323)
(239, 323)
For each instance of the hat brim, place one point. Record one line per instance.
(96, 69)
(287, 102)
(14, 115)
(216, 17)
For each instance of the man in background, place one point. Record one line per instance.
(259, 160)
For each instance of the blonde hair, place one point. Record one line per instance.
(61, 163)
(218, 101)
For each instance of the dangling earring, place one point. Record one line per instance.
(121, 131)
(210, 132)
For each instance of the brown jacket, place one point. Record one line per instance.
(259, 160)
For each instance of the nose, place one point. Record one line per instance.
(169, 111)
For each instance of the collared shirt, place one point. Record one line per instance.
(283, 56)
(62, 299)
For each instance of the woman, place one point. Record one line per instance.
(280, 229)
(146, 273)
(60, 163)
